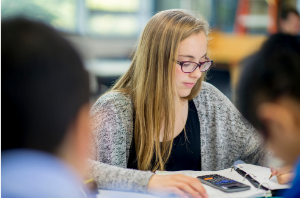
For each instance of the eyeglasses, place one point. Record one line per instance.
(189, 67)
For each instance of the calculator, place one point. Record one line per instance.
(223, 183)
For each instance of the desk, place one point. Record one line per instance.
(122, 194)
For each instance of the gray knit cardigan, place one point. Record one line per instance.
(225, 137)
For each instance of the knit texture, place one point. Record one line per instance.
(225, 137)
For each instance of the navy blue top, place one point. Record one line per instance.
(185, 154)
(294, 192)
(30, 173)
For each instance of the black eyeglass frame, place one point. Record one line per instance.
(197, 64)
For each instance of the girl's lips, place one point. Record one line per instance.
(189, 85)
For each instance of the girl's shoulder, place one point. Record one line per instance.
(210, 98)
(210, 93)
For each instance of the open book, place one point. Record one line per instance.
(261, 175)
(257, 172)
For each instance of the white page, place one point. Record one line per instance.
(213, 192)
(262, 175)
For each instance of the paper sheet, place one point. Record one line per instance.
(262, 175)
(212, 192)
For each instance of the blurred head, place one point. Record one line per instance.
(289, 22)
(269, 94)
(154, 79)
(45, 90)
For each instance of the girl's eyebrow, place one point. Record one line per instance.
(190, 56)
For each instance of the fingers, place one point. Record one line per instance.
(284, 169)
(274, 171)
(284, 174)
(179, 185)
(187, 189)
(178, 192)
(199, 187)
(285, 178)
(194, 184)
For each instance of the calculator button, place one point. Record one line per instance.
(224, 181)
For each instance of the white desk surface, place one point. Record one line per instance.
(122, 194)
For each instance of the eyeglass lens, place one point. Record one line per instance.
(189, 66)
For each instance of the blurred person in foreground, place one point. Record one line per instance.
(45, 113)
(269, 97)
(289, 22)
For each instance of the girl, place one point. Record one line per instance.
(161, 115)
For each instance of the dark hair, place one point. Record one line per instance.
(270, 73)
(285, 13)
(44, 85)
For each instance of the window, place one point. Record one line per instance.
(58, 13)
(112, 18)
(100, 18)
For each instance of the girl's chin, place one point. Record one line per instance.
(184, 94)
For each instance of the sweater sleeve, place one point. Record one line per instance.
(116, 178)
(108, 146)
(252, 149)
(226, 135)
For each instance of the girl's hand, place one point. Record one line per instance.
(180, 185)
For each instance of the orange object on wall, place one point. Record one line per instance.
(273, 14)
(242, 9)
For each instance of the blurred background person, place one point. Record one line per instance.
(269, 97)
(45, 105)
(289, 22)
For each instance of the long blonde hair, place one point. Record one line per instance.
(150, 83)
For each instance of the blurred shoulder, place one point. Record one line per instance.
(44, 170)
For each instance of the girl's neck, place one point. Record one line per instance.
(181, 112)
(180, 103)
